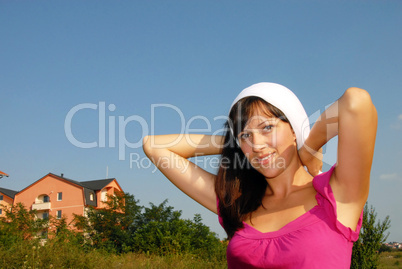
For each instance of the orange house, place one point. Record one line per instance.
(57, 196)
(6, 199)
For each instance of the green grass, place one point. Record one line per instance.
(133, 260)
(71, 256)
(391, 260)
(29, 257)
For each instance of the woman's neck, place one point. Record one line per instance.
(291, 179)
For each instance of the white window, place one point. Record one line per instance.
(104, 195)
(91, 196)
(1, 211)
(45, 215)
(1, 197)
(59, 214)
(59, 196)
(46, 199)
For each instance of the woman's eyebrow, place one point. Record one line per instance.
(269, 120)
(272, 119)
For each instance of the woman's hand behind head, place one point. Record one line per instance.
(311, 158)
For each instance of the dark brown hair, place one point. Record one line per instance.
(239, 187)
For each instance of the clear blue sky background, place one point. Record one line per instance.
(196, 56)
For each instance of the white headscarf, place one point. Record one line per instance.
(284, 99)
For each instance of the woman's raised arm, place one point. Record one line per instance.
(353, 118)
(170, 152)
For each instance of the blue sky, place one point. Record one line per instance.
(131, 67)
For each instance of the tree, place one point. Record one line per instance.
(124, 226)
(372, 235)
(20, 232)
(20, 224)
(111, 228)
(162, 232)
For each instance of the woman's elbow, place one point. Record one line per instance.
(146, 145)
(358, 101)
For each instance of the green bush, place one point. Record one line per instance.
(105, 236)
(366, 250)
(124, 226)
(162, 232)
(111, 228)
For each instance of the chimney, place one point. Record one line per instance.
(62, 175)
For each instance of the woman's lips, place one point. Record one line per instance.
(265, 159)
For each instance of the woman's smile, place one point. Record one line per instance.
(266, 159)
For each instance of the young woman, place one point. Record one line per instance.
(275, 213)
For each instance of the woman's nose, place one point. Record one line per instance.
(259, 142)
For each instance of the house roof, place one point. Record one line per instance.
(3, 174)
(97, 185)
(94, 185)
(88, 186)
(9, 193)
(68, 179)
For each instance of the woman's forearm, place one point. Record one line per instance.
(184, 145)
(348, 108)
(170, 154)
(324, 129)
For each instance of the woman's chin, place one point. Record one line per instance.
(270, 172)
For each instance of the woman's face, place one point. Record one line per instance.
(268, 143)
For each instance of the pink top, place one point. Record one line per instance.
(316, 239)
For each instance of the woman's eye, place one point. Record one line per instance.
(268, 128)
(244, 136)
